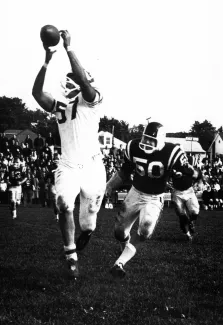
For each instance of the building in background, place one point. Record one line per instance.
(21, 135)
(190, 145)
(106, 139)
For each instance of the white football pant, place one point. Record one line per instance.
(186, 201)
(90, 181)
(137, 204)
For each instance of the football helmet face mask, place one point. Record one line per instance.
(69, 88)
(153, 138)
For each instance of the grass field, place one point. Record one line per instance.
(168, 282)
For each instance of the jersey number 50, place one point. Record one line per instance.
(155, 169)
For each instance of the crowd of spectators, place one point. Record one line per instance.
(38, 157)
(210, 187)
(37, 161)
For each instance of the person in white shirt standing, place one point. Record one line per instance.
(80, 168)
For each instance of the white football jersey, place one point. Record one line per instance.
(78, 123)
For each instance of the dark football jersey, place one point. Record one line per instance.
(15, 175)
(182, 183)
(152, 171)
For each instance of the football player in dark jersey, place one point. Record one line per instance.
(16, 177)
(152, 160)
(185, 201)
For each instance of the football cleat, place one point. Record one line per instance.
(73, 270)
(189, 238)
(83, 240)
(117, 271)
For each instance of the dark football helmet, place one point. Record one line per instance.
(153, 137)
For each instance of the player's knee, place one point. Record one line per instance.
(195, 210)
(94, 205)
(64, 206)
(194, 215)
(146, 230)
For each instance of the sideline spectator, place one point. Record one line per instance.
(220, 196)
(47, 151)
(214, 196)
(36, 187)
(38, 144)
(12, 140)
(29, 141)
(51, 142)
(3, 187)
(106, 151)
(207, 199)
(42, 189)
(28, 190)
(121, 153)
(6, 151)
(3, 141)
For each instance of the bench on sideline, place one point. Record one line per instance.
(167, 197)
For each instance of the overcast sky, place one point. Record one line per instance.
(152, 58)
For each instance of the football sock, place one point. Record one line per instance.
(83, 239)
(70, 252)
(127, 254)
(14, 214)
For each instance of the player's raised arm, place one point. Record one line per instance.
(44, 99)
(79, 75)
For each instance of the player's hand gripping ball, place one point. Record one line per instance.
(49, 35)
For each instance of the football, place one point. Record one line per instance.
(49, 35)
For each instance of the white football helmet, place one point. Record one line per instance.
(153, 138)
(68, 85)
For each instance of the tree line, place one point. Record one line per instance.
(14, 114)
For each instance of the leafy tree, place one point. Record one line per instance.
(199, 129)
(11, 113)
(47, 125)
(118, 128)
(205, 131)
(136, 131)
(177, 135)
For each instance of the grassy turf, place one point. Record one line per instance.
(168, 282)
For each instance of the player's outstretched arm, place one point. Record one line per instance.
(116, 181)
(44, 99)
(79, 76)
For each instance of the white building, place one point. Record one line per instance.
(216, 147)
(106, 140)
(190, 145)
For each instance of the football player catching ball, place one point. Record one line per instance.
(152, 160)
(80, 168)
